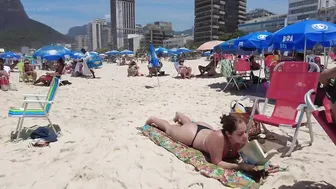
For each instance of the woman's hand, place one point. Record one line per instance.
(246, 167)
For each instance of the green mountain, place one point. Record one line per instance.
(17, 29)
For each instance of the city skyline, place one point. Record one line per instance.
(64, 14)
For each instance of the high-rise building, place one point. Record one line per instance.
(299, 10)
(122, 22)
(215, 17)
(81, 41)
(235, 14)
(95, 31)
(158, 32)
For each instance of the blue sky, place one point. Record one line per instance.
(63, 14)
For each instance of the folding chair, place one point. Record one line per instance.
(227, 71)
(45, 102)
(288, 87)
(321, 116)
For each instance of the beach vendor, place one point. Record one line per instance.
(86, 59)
(46, 79)
(222, 145)
(325, 78)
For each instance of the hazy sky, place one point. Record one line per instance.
(63, 14)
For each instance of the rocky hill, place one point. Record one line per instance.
(17, 29)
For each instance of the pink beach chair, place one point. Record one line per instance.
(288, 87)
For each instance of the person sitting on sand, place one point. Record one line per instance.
(4, 78)
(210, 69)
(133, 70)
(28, 70)
(222, 145)
(325, 78)
(153, 70)
(184, 70)
(46, 79)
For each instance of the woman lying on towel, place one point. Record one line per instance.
(222, 145)
(46, 79)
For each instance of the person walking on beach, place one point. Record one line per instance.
(86, 58)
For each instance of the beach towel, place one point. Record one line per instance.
(230, 178)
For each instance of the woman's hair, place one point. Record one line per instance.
(229, 122)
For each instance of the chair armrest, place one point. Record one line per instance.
(301, 107)
(34, 95)
(38, 101)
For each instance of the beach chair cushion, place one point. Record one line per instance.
(29, 112)
(231, 178)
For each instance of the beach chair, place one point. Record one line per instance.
(227, 71)
(321, 116)
(288, 87)
(45, 102)
(242, 68)
(21, 71)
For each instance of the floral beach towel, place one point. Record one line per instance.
(231, 178)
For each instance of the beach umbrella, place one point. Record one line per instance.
(161, 50)
(305, 34)
(183, 50)
(207, 53)
(209, 45)
(126, 52)
(112, 53)
(9, 55)
(154, 60)
(256, 40)
(52, 52)
(227, 46)
(173, 51)
(77, 55)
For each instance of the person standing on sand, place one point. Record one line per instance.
(86, 59)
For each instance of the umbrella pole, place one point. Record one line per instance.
(325, 61)
(157, 76)
(305, 49)
(261, 66)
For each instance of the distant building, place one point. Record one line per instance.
(215, 17)
(299, 10)
(235, 14)
(134, 41)
(158, 32)
(139, 29)
(178, 41)
(81, 41)
(107, 37)
(123, 22)
(269, 23)
(258, 13)
(327, 14)
(95, 32)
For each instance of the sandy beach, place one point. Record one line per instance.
(101, 148)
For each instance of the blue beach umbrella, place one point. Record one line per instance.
(305, 33)
(128, 52)
(227, 46)
(112, 53)
(183, 50)
(153, 58)
(161, 50)
(256, 40)
(9, 55)
(77, 55)
(173, 51)
(52, 52)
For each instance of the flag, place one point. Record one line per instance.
(154, 59)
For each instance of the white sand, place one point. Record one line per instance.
(100, 147)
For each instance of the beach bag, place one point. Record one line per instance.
(244, 113)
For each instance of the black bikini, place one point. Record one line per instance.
(199, 128)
